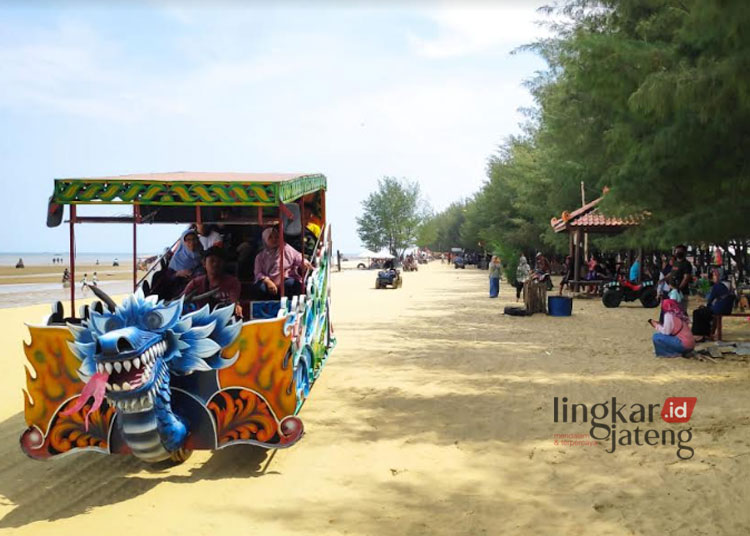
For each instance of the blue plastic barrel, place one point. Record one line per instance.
(559, 306)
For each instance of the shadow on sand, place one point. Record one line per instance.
(71, 485)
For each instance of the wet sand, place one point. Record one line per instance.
(43, 284)
(434, 415)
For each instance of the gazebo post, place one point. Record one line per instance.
(577, 258)
(571, 251)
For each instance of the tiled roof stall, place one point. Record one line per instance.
(588, 219)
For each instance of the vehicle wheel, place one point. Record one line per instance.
(377, 284)
(180, 456)
(361, 266)
(612, 297)
(649, 298)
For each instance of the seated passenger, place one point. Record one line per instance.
(208, 236)
(228, 286)
(267, 273)
(169, 283)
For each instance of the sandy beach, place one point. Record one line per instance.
(434, 415)
(42, 284)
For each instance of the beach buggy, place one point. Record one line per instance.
(158, 377)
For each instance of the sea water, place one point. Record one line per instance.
(45, 258)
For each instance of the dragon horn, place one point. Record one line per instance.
(99, 293)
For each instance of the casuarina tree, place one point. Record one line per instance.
(391, 215)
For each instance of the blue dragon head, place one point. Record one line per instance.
(130, 352)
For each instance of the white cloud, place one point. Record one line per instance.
(330, 100)
(475, 29)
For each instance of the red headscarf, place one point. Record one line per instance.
(671, 306)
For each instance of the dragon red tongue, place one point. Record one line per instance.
(96, 388)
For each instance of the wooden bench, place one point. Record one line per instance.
(577, 284)
(718, 319)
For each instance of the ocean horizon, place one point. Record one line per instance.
(44, 258)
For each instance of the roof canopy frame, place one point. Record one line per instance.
(188, 189)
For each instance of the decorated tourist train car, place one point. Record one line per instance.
(157, 379)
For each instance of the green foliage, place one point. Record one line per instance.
(648, 97)
(391, 216)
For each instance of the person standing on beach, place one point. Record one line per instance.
(495, 273)
(681, 275)
(522, 275)
(95, 280)
(84, 284)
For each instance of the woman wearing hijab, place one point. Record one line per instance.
(185, 261)
(268, 276)
(188, 255)
(495, 269)
(673, 338)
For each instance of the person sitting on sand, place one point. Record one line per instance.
(673, 338)
(267, 274)
(19, 264)
(228, 286)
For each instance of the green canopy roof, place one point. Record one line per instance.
(188, 189)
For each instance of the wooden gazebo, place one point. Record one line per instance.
(583, 221)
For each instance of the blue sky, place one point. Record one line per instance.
(427, 91)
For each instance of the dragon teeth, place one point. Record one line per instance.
(115, 387)
(137, 362)
(108, 367)
(126, 365)
(108, 386)
(126, 386)
(118, 366)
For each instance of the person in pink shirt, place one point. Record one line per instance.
(268, 277)
(673, 338)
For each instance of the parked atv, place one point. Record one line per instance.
(388, 278)
(616, 291)
(458, 262)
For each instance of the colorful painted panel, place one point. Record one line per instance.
(263, 364)
(291, 190)
(155, 192)
(146, 378)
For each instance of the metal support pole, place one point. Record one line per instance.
(72, 262)
(302, 222)
(281, 254)
(135, 246)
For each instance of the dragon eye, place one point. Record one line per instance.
(112, 324)
(153, 320)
